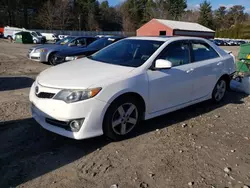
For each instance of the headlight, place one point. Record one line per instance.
(71, 58)
(70, 96)
(41, 50)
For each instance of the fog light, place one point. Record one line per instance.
(75, 125)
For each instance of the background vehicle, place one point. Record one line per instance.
(45, 53)
(134, 79)
(37, 37)
(51, 36)
(76, 53)
(1, 32)
(10, 31)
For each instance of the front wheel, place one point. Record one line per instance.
(121, 118)
(219, 90)
(51, 59)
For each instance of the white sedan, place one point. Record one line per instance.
(135, 79)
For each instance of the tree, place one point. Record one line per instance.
(220, 17)
(236, 14)
(206, 16)
(176, 8)
(55, 15)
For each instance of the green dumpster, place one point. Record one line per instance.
(24, 37)
(243, 65)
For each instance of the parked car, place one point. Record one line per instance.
(136, 78)
(45, 53)
(37, 37)
(51, 37)
(70, 54)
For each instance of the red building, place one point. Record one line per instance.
(159, 27)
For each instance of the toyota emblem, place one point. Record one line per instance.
(37, 89)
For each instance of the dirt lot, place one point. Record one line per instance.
(191, 146)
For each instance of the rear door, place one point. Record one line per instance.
(207, 65)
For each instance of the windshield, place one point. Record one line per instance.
(39, 34)
(34, 34)
(128, 52)
(101, 43)
(65, 40)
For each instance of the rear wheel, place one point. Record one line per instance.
(121, 118)
(219, 90)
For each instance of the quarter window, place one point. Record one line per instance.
(177, 53)
(203, 51)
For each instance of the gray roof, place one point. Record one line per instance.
(189, 26)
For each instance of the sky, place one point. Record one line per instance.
(192, 4)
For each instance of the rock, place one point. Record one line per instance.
(184, 125)
(232, 150)
(143, 185)
(227, 169)
(151, 174)
(236, 165)
(246, 138)
(116, 152)
(232, 178)
(190, 183)
(246, 186)
(217, 116)
(54, 182)
(94, 174)
(199, 147)
(181, 151)
(114, 186)
(157, 130)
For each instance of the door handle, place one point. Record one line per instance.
(190, 70)
(219, 63)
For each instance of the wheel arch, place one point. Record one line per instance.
(50, 53)
(227, 78)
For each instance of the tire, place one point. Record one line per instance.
(34, 41)
(219, 90)
(121, 118)
(51, 59)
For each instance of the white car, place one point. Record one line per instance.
(134, 79)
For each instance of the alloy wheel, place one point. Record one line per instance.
(220, 90)
(124, 118)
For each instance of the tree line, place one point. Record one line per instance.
(128, 16)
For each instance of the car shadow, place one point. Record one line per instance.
(187, 113)
(12, 83)
(27, 151)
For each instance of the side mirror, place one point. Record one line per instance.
(162, 64)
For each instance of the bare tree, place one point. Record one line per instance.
(55, 15)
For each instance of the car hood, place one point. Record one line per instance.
(75, 51)
(80, 74)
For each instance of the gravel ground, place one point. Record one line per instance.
(202, 146)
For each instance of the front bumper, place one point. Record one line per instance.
(91, 110)
(37, 56)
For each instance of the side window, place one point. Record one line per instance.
(177, 53)
(81, 42)
(203, 51)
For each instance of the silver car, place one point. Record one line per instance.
(45, 53)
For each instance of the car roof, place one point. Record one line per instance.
(166, 38)
(81, 36)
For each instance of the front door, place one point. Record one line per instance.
(169, 88)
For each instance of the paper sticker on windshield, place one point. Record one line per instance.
(248, 57)
(111, 39)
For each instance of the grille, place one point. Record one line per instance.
(45, 95)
